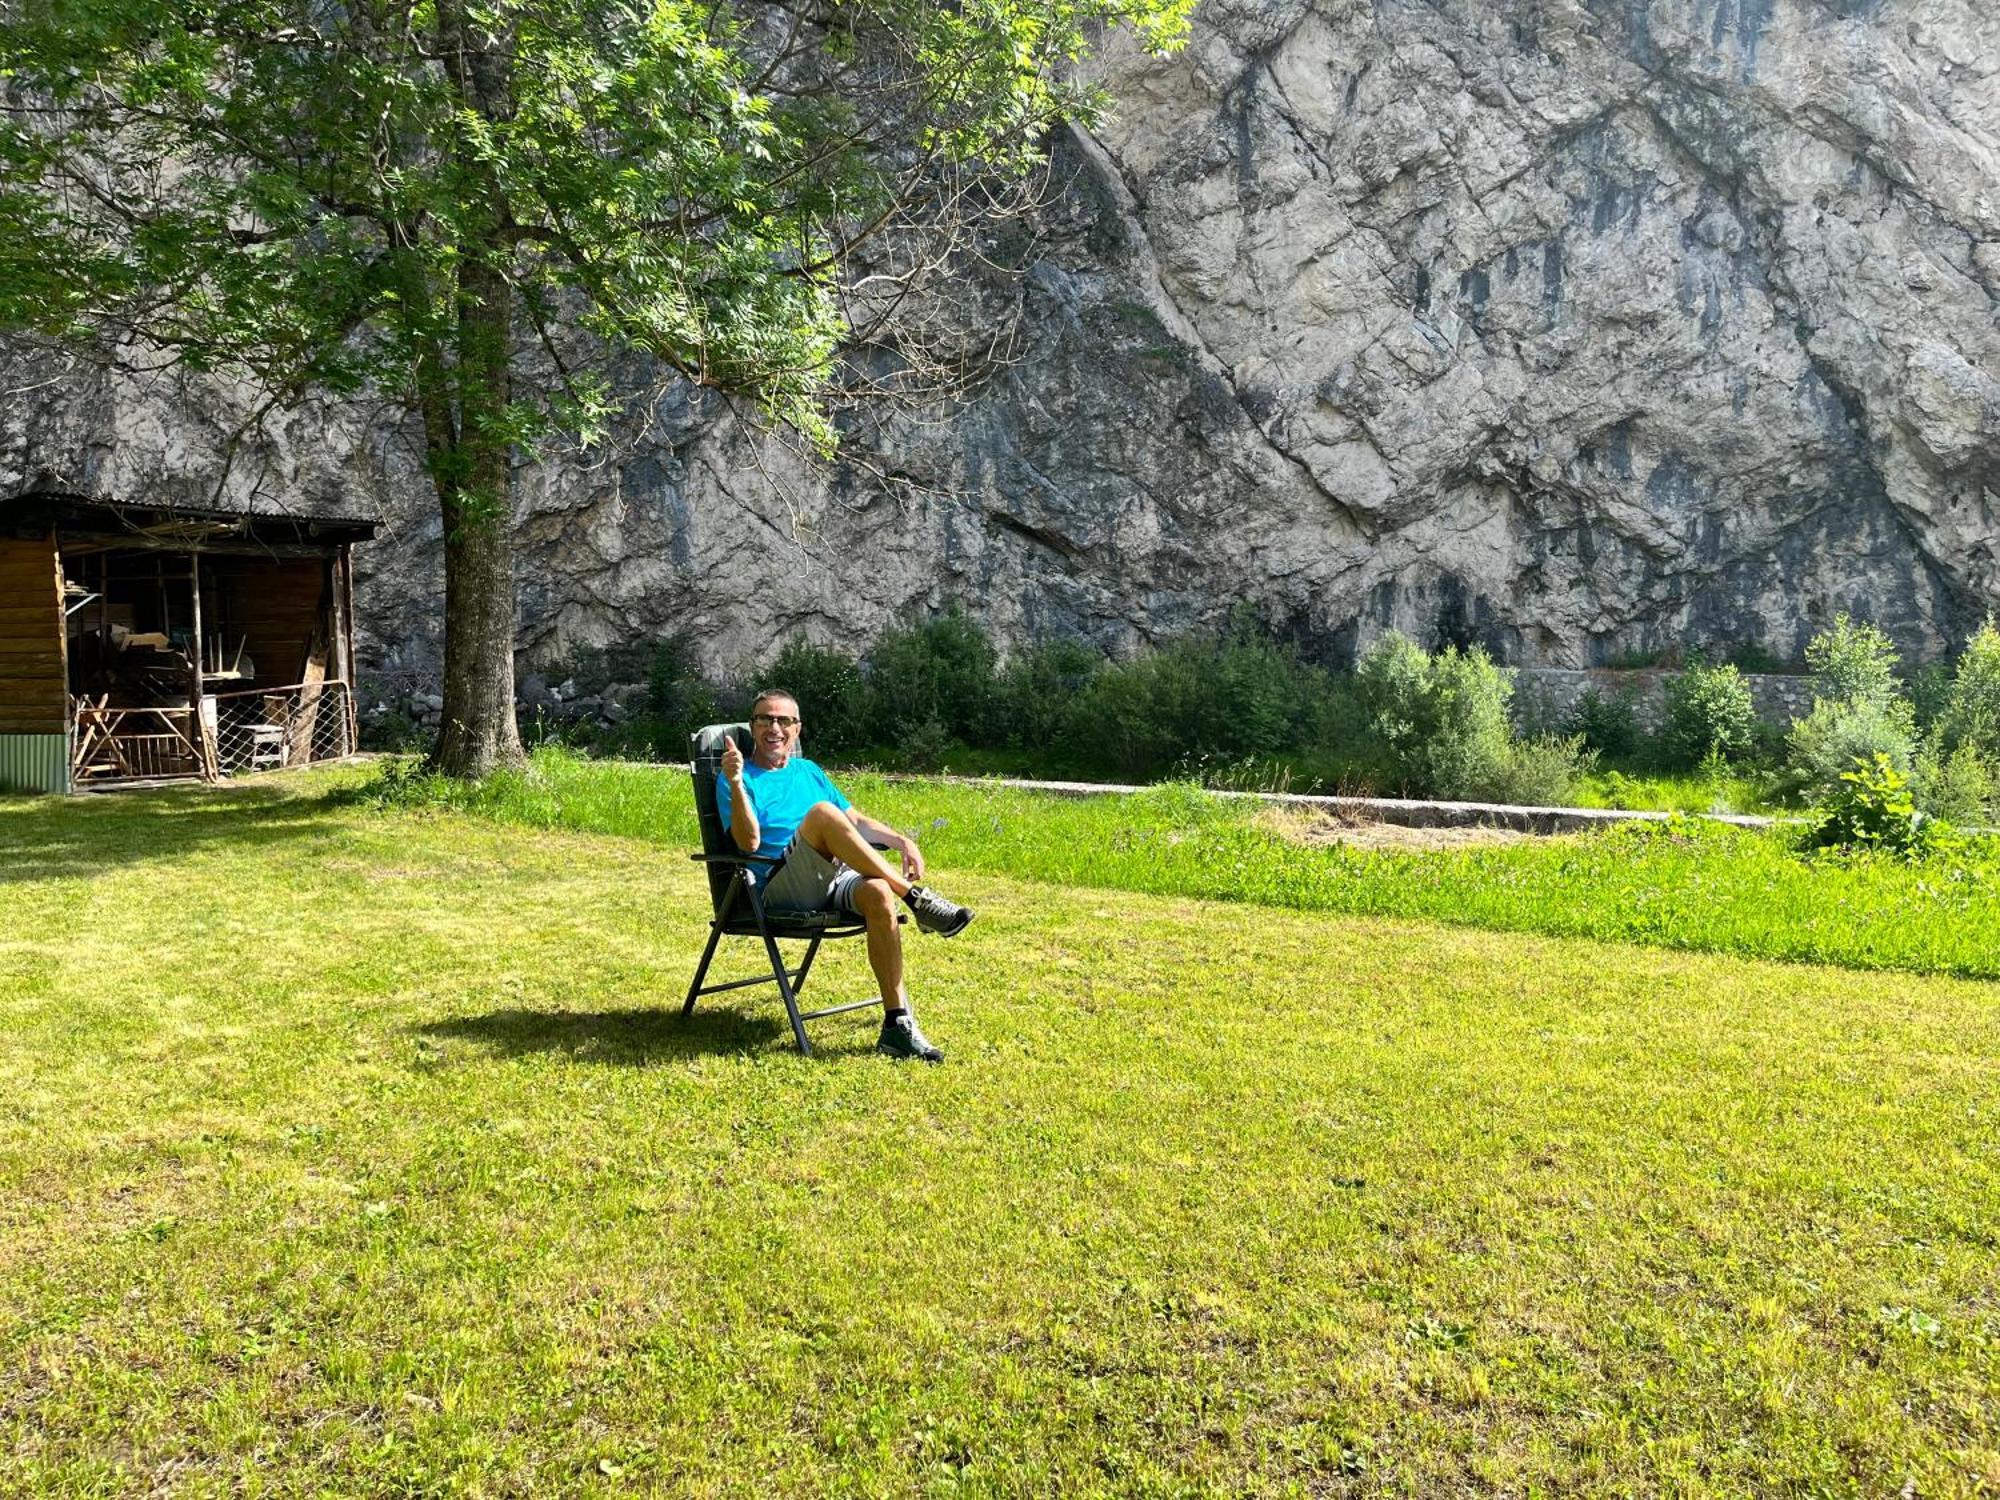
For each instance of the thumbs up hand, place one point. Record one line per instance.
(732, 762)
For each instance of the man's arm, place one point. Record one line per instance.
(742, 812)
(881, 834)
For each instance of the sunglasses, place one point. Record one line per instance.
(783, 721)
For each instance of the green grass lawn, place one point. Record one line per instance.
(359, 1151)
(1698, 885)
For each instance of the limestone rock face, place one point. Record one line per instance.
(1575, 327)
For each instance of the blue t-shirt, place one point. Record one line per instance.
(781, 799)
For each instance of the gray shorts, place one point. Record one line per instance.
(809, 881)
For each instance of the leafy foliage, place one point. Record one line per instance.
(1607, 722)
(351, 183)
(1971, 713)
(1823, 746)
(832, 698)
(1708, 711)
(1038, 691)
(679, 699)
(469, 210)
(1233, 697)
(1957, 787)
(1853, 662)
(933, 682)
(1441, 727)
(1873, 810)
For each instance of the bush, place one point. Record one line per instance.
(1755, 656)
(936, 678)
(1038, 692)
(1972, 710)
(1872, 810)
(1135, 715)
(1823, 746)
(1959, 787)
(1608, 725)
(1542, 771)
(1930, 692)
(1853, 663)
(1239, 696)
(679, 699)
(1439, 722)
(1708, 711)
(833, 699)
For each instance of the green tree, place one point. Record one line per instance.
(469, 206)
(1708, 712)
(1971, 713)
(1853, 662)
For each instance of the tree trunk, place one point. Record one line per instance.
(467, 429)
(478, 733)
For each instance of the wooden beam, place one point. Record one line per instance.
(204, 746)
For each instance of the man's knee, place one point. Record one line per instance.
(874, 899)
(820, 811)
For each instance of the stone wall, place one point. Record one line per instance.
(1545, 696)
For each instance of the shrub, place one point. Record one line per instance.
(1972, 710)
(1609, 724)
(1239, 696)
(1038, 692)
(1930, 692)
(1708, 709)
(679, 699)
(938, 674)
(1853, 663)
(395, 732)
(1133, 716)
(1823, 746)
(833, 700)
(1542, 771)
(1959, 787)
(1440, 722)
(1872, 810)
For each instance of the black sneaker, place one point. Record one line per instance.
(935, 914)
(900, 1038)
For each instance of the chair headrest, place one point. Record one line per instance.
(706, 743)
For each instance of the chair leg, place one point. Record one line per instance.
(785, 989)
(778, 972)
(805, 968)
(701, 972)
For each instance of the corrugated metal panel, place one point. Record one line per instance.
(34, 762)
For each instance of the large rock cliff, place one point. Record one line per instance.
(1577, 327)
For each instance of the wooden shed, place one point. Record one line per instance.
(143, 643)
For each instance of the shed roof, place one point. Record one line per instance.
(166, 523)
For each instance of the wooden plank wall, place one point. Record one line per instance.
(34, 697)
(274, 604)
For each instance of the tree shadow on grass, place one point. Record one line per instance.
(617, 1038)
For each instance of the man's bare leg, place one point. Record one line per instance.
(826, 828)
(876, 903)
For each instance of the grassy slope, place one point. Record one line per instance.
(1705, 887)
(355, 1153)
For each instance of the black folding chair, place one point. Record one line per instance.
(736, 884)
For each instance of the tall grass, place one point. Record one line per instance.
(1687, 885)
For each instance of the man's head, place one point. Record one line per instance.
(774, 728)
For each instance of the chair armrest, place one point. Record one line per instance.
(734, 859)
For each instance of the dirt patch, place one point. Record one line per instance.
(1316, 828)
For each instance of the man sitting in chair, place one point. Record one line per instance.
(781, 805)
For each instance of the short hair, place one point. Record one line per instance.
(777, 692)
